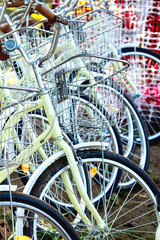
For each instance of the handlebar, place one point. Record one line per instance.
(65, 4)
(42, 9)
(5, 28)
(11, 28)
(3, 10)
(39, 7)
(74, 4)
(45, 12)
(52, 17)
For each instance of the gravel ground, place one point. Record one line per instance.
(154, 166)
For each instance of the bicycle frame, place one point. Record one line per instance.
(53, 131)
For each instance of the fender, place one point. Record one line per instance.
(54, 158)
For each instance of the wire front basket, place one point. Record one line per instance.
(16, 72)
(101, 32)
(19, 95)
(15, 127)
(96, 32)
(86, 98)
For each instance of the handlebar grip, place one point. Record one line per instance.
(5, 28)
(3, 56)
(46, 12)
(52, 18)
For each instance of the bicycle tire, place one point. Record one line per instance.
(145, 64)
(128, 214)
(23, 212)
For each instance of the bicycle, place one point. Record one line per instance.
(77, 101)
(35, 122)
(95, 33)
(100, 229)
(129, 214)
(130, 127)
(132, 130)
(21, 113)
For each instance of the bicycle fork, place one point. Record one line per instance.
(57, 135)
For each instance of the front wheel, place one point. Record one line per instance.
(96, 177)
(128, 214)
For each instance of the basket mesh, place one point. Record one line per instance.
(95, 32)
(15, 128)
(141, 22)
(15, 71)
(19, 95)
(100, 35)
(87, 77)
